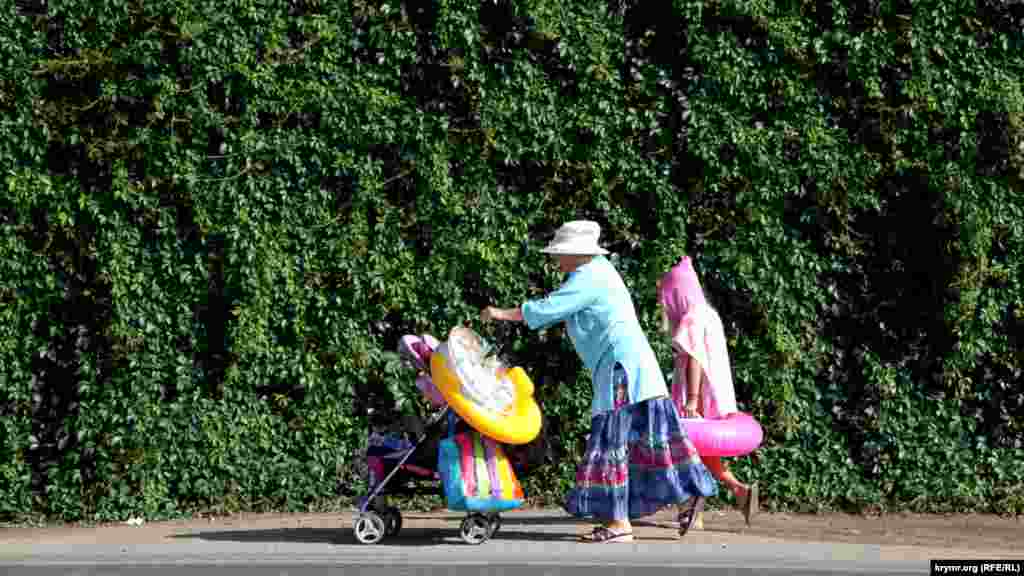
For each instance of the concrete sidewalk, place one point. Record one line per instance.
(891, 538)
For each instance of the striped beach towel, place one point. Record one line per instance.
(477, 475)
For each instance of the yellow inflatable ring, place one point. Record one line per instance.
(518, 426)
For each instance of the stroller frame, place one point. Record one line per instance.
(376, 519)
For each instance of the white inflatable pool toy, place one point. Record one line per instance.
(495, 400)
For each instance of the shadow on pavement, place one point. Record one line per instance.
(515, 528)
(541, 520)
(554, 520)
(343, 536)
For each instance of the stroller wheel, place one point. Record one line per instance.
(476, 529)
(494, 521)
(392, 521)
(369, 528)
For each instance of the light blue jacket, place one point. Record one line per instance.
(602, 324)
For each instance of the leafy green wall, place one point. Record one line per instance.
(218, 218)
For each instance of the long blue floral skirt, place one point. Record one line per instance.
(638, 461)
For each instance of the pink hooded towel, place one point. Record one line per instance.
(697, 330)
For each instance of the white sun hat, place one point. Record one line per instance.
(577, 238)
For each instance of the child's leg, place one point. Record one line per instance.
(746, 496)
(721, 471)
(715, 465)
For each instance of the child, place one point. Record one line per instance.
(702, 379)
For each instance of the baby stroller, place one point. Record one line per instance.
(397, 466)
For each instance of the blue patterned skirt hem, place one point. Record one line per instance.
(638, 461)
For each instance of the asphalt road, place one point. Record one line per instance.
(424, 570)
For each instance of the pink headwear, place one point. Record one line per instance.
(680, 292)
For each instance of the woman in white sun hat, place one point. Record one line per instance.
(638, 458)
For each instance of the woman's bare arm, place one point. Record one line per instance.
(505, 314)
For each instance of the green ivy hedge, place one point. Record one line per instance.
(219, 218)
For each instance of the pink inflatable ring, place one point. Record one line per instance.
(737, 434)
(417, 349)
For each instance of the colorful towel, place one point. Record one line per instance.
(477, 475)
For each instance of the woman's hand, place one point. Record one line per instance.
(690, 411)
(488, 314)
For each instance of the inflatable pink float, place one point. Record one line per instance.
(736, 434)
(418, 350)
